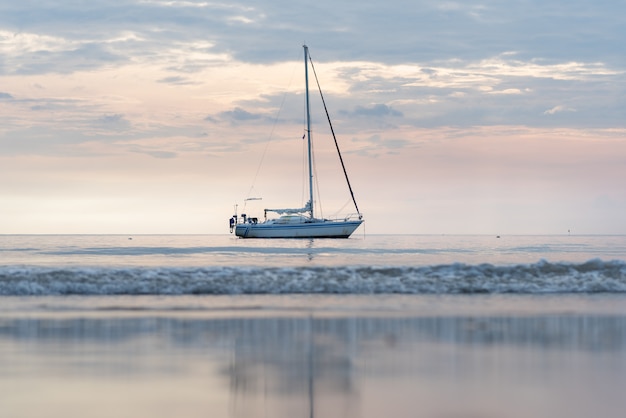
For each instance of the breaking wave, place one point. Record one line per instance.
(595, 276)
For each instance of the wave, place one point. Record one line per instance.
(594, 276)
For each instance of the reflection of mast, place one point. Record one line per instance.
(311, 369)
(310, 249)
(277, 362)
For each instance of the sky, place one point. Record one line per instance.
(454, 117)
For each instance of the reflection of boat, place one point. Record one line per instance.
(301, 222)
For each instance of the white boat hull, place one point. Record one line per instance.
(321, 229)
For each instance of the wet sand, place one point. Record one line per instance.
(313, 355)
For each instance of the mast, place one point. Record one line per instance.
(308, 127)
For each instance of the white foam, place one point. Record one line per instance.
(543, 277)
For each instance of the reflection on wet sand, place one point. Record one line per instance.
(327, 365)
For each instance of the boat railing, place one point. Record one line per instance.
(348, 217)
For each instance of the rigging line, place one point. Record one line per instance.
(267, 144)
(303, 174)
(303, 162)
(345, 173)
(269, 139)
(336, 214)
(318, 195)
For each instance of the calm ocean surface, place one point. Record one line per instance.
(376, 325)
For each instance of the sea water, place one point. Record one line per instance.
(374, 325)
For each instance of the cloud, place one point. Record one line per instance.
(558, 109)
(5, 96)
(178, 80)
(114, 122)
(153, 152)
(486, 71)
(32, 53)
(376, 110)
(240, 115)
(427, 32)
(506, 91)
(383, 143)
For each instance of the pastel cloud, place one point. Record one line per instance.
(558, 109)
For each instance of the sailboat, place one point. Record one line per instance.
(301, 222)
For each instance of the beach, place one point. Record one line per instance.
(67, 350)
